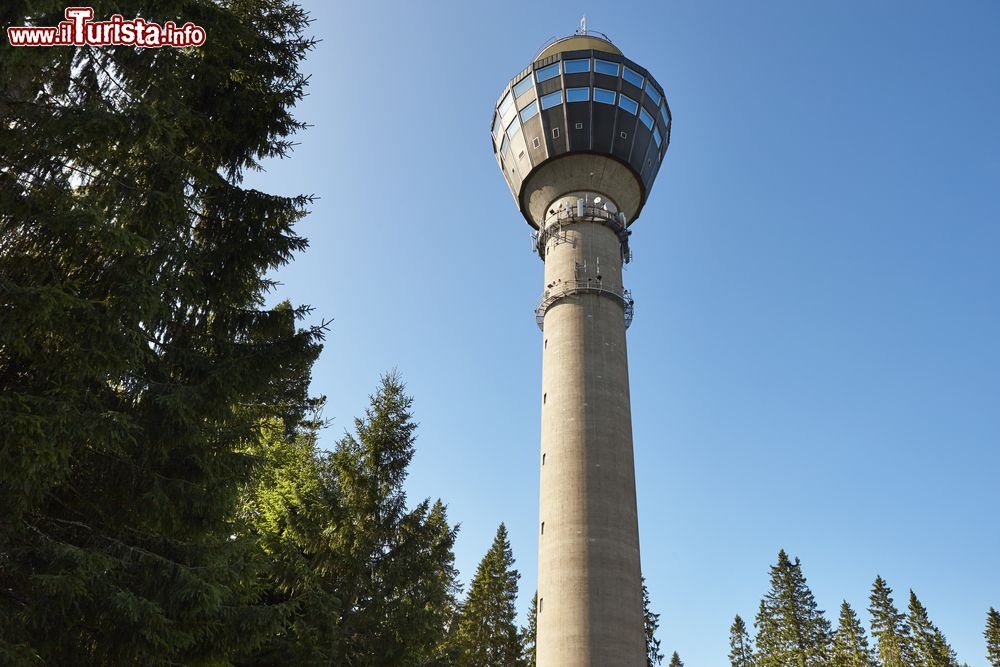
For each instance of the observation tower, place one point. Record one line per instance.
(579, 135)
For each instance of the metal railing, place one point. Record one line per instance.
(571, 288)
(552, 229)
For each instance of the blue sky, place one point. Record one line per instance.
(814, 359)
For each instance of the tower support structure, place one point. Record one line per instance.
(589, 580)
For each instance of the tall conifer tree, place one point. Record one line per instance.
(288, 512)
(791, 629)
(740, 644)
(488, 631)
(930, 648)
(530, 632)
(651, 622)
(394, 571)
(892, 634)
(136, 354)
(850, 645)
(992, 634)
(675, 660)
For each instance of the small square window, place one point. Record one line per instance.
(536, 143)
(579, 126)
(520, 155)
(624, 135)
(555, 132)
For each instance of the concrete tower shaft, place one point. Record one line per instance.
(589, 581)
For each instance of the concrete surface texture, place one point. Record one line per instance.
(589, 582)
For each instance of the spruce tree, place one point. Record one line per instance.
(675, 660)
(740, 645)
(393, 568)
(992, 634)
(850, 645)
(530, 633)
(892, 634)
(287, 511)
(488, 632)
(791, 629)
(651, 623)
(930, 648)
(137, 356)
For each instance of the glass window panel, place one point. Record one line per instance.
(577, 94)
(574, 66)
(663, 112)
(552, 99)
(523, 86)
(505, 146)
(513, 128)
(496, 124)
(606, 67)
(505, 104)
(604, 96)
(656, 136)
(632, 77)
(547, 73)
(652, 94)
(529, 112)
(627, 103)
(646, 119)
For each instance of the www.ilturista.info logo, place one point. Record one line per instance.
(79, 30)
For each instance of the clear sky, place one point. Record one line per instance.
(814, 359)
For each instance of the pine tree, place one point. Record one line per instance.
(651, 623)
(889, 628)
(136, 354)
(530, 633)
(488, 632)
(791, 630)
(930, 648)
(740, 645)
(394, 568)
(992, 634)
(850, 645)
(675, 660)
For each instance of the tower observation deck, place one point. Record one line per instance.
(579, 136)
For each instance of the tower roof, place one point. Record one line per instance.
(579, 42)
